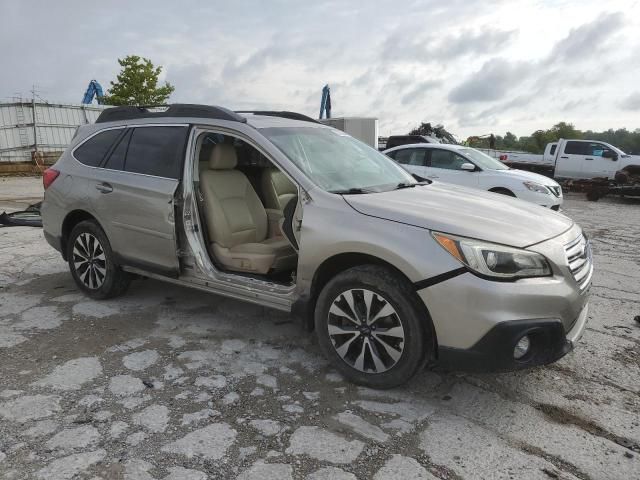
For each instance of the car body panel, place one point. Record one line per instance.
(146, 232)
(465, 212)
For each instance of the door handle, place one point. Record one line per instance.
(564, 156)
(588, 158)
(104, 188)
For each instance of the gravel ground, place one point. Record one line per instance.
(169, 383)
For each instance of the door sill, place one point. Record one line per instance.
(257, 294)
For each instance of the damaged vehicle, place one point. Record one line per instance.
(277, 209)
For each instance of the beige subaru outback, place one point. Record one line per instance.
(276, 209)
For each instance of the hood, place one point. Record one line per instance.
(529, 177)
(466, 212)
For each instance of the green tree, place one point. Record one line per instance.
(564, 130)
(137, 84)
(510, 141)
(437, 131)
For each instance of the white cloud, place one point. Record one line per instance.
(475, 66)
(631, 102)
(493, 81)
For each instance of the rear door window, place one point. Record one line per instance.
(117, 157)
(411, 156)
(575, 148)
(156, 151)
(93, 151)
(446, 159)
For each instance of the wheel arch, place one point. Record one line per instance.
(503, 191)
(71, 220)
(338, 263)
(341, 262)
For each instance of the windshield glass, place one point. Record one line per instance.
(337, 162)
(483, 160)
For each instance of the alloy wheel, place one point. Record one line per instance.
(89, 261)
(365, 330)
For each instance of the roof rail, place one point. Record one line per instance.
(115, 114)
(282, 114)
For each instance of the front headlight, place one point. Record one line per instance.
(493, 260)
(536, 187)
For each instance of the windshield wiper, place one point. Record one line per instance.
(350, 191)
(411, 185)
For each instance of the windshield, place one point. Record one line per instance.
(337, 162)
(483, 160)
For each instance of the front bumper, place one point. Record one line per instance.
(547, 200)
(494, 351)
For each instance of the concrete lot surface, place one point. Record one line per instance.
(169, 383)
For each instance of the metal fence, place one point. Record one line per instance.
(31, 126)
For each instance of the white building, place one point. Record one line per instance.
(27, 127)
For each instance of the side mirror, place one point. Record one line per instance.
(610, 154)
(469, 167)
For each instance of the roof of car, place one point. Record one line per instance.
(194, 113)
(267, 121)
(444, 146)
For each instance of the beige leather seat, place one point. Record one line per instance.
(277, 189)
(237, 221)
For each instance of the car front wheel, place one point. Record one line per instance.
(371, 327)
(92, 262)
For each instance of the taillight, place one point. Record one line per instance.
(503, 158)
(48, 176)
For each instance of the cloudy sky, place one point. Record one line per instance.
(475, 66)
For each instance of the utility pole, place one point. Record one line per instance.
(35, 121)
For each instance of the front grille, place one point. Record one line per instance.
(556, 190)
(580, 261)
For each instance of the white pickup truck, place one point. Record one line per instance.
(570, 159)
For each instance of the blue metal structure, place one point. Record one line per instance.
(93, 90)
(325, 103)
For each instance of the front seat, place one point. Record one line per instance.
(237, 221)
(277, 189)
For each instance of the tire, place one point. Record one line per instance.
(92, 264)
(596, 193)
(386, 291)
(503, 191)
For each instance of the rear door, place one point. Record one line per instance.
(444, 165)
(412, 159)
(136, 195)
(571, 159)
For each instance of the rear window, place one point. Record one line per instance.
(411, 156)
(575, 148)
(93, 151)
(156, 151)
(553, 149)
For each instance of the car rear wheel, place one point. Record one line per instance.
(92, 264)
(371, 327)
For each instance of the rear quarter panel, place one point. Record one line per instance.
(69, 192)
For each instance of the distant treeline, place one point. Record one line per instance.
(627, 141)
